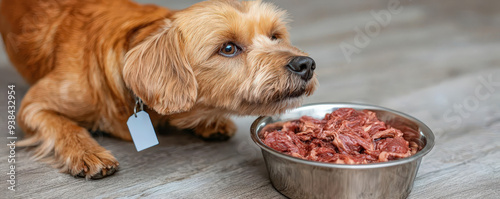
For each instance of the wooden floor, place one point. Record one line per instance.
(432, 60)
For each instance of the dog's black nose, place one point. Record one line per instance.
(302, 66)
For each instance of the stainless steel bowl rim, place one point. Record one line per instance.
(429, 136)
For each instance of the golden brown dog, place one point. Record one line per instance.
(87, 60)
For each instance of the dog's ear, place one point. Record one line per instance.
(158, 72)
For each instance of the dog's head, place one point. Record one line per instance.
(224, 54)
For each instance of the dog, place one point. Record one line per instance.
(88, 60)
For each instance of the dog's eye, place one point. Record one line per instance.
(274, 37)
(229, 50)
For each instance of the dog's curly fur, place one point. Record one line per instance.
(87, 59)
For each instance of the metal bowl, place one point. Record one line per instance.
(298, 178)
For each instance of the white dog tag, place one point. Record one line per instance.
(142, 131)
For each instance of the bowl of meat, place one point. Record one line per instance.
(342, 150)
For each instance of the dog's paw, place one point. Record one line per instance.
(91, 165)
(221, 131)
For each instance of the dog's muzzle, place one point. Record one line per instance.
(302, 66)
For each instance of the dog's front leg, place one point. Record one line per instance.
(206, 123)
(58, 138)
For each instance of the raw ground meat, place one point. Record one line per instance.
(345, 136)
